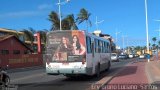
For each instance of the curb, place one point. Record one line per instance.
(107, 79)
(111, 78)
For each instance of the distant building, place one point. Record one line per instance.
(4, 31)
(9, 44)
(15, 54)
(21, 37)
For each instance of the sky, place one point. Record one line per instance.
(124, 16)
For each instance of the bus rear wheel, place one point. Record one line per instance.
(98, 71)
(108, 66)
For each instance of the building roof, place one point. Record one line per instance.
(5, 37)
(10, 31)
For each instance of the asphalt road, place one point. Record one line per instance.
(38, 80)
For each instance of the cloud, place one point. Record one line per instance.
(45, 6)
(19, 14)
(40, 10)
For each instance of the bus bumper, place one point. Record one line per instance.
(85, 71)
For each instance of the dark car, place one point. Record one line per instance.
(124, 56)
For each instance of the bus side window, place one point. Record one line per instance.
(89, 48)
(96, 45)
(92, 49)
(105, 46)
(99, 46)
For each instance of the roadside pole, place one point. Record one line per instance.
(147, 30)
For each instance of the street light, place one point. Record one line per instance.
(123, 41)
(59, 5)
(116, 36)
(147, 28)
(97, 22)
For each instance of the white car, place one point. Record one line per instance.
(114, 57)
(141, 56)
(131, 56)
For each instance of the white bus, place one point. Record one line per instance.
(75, 52)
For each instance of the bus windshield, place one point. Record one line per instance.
(65, 46)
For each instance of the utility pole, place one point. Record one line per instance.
(59, 6)
(147, 28)
(97, 22)
(123, 41)
(116, 36)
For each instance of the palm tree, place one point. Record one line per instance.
(72, 23)
(138, 48)
(68, 23)
(154, 46)
(33, 31)
(84, 16)
(159, 42)
(54, 18)
(28, 36)
(154, 39)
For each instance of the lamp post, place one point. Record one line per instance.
(147, 39)
(97, 22)
(123, 41)
(59, 6)
(116, 35)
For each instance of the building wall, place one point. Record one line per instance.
(12, 44)
(17, 60)
(21, 61)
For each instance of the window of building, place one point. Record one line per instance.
(4, 52)
(16, 51)
(25, 52)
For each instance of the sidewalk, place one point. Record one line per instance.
(153, 71)
(133, 73)
(140, 75)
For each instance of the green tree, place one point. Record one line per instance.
(159, 42)
(28, 36)
(68, 23)
(33, 31)
(53, 17)
(71, 21)
(84, 16)
(42, 35)
(138, 48)
(154, 39)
